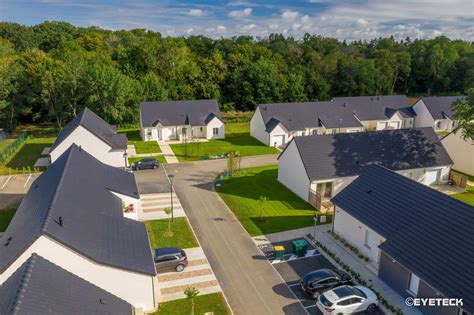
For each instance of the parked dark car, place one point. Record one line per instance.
(170, 259)
(318, 281)
(149, 163)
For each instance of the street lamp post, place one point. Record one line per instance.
(315, 223)
(125, 156)
(171, 177)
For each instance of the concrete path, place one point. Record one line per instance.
(171, 285)
(250, 283)
(167, 152)
(153, 206)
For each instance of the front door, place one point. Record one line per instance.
(278, 140)
(431, 177)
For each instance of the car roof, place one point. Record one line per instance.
(341, 293)
(322, 273)
(167, 251)
(148, 160)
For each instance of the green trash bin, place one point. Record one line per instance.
(300, 247)
(279, 252)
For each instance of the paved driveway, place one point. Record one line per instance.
(250, 283)
(13, 189)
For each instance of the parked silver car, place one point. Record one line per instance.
(347, 300)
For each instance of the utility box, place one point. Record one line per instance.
(300, 247)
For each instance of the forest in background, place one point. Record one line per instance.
(49, 72)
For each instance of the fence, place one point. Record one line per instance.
(458, 179)
(12, 147)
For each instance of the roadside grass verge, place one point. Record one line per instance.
(203, 304)
(182, 237)
(283, 211)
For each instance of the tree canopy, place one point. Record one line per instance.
(51, 71)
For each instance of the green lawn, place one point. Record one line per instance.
(467, 197)
(141, 147)
(159, 158)
(5, 217)
(5, 143)
(214, 303)
(237, 139)
(182, 234)
(283, 210)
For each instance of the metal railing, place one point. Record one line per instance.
(6, 152)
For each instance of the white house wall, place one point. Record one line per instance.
(353, 231)
(135, 288)
(291, 172)
(423, 116)
(461, 152)
(92, 145)
(215, 123)
(257, 128)
(127, 200)
(279, 131)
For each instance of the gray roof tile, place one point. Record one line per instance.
(426, 231)
(41, 287)
(96, 125)
(440, 106)
(377, 107)
(298, 116)
(76, 187)
(177, 113)
(348, 154)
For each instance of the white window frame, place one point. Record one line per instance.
(413, 284)
(368, 239)
(215, 131)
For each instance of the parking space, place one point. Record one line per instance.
(152, 181)
(13, 188)
(293, 268)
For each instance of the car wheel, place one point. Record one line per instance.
(179, 268)
(155, 167)
(371, 308)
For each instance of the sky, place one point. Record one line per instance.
(342, 19)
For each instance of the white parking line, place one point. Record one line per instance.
(292, 285)
(311, 306)
(6, 182)
(27, 180)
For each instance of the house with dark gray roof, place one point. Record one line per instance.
(73, 216)
(40, 287)
(93, 134)
(277, 124)
(317, 167)
(436, 112)
(179, 120)
(403, 228)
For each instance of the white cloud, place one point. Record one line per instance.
(240, 13)
(196, 12)
(221, 28)
(289, 14)
(246, 28)
(189, 31)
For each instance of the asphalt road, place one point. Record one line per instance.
(250, 283)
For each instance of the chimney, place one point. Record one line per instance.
(60, 221)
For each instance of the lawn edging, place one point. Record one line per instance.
(337, 261)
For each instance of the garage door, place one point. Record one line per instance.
(431, 177)
(278, 140)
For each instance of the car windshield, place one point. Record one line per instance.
(341, 274)
(359, 293)
(324, 301)
(316, 275)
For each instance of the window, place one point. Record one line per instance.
(325, 189)
(148, 132)
(215, 131)
(438, 125)
(414, 284)
(314, 132)
(345, 302)
(184, 130)
(369, 239)
(201, 129)
(356, 300)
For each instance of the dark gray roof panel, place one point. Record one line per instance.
(76, 188)
(440, 106)
(298, 116)
(419, 230)
(348, 154)
(271, 124)
(177, 113)
(375, 107)
(41, 287)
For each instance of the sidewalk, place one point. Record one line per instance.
(167, 152)
(348, 258)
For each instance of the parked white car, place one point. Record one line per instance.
(347, 300)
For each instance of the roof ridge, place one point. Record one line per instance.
(46, 221)
(24, 283)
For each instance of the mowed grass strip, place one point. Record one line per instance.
(283, 211)
(141, 147)
(467, 197)
(237, 139)
(209, 303)
(159, 158)
(6, 216)
(182, 234)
